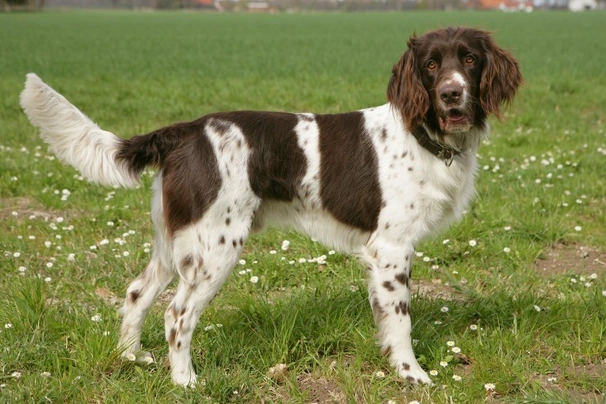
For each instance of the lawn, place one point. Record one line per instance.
(510, 303)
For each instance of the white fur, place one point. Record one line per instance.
(72, 136)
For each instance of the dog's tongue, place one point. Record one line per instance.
(455, 117)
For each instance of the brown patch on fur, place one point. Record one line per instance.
(172, 335)
(134, 295)
(387, 285)
(187, 261)
(402, 278)
(190, 175)
(349, 178)
(402, 308)
(276, 164)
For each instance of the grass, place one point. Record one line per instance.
(70, 248)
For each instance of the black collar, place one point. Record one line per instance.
(441, 151)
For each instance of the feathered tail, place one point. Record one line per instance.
(99, 155)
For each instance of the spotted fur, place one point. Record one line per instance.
(358, 181)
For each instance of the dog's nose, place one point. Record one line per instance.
(450, 93)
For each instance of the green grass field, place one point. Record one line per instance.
(519, 286)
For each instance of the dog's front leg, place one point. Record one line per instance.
(389, 269)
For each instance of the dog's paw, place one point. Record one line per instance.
(145, 358)
(415, 375)
(185, 378)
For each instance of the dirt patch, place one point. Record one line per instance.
(320, 390)
(314, 388)
(24, 208)
(433, 289)
(572, 258)
(562, 381)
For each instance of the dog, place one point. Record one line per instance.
(372, 182)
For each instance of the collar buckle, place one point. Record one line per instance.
(440, 150)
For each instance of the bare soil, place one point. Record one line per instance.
(572, 258)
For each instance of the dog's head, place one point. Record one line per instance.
(452, 79)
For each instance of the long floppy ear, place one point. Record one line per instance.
(501, 77)
(405, 89)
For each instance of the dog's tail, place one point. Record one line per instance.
(99, 155)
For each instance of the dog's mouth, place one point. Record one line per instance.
(455, 121)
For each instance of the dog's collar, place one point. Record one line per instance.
(440, 150)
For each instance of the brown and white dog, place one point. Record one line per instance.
(372, 183)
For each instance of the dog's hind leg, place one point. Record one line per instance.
(140, 296)
(145, 289)
(205, 255)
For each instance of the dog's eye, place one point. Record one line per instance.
(432, 65)
(469, 59)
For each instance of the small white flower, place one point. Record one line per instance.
(285, 245)
(47, 279)
(8, 325)
(110, 223)
(16, 254)
(16, 375)
(302, 260)
(537, 308)
(552, 379)
(273, 252)
(96, 318)
(148, 360)
(593, 276)
(437, 322)
(71, 257)
(331, 252)
(45, 374)
(578, 228)
(604, 293)
(446, 241)
(242, 262)
(507, 228)
(450, 343)
(106, 333)
(242, 272)
(489, 386)
(254, 279)
(506, 249)
(433, 372)
(444, 309)
(457, 378)
(456, 349)
(473, 243)
(380, 374)
(125, 254)
(443, 364)
(22, 269)
(131, 357)
(412, 402)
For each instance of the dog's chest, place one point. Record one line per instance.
(421, 194)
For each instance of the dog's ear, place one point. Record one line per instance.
(405, 90)
(501, 77)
